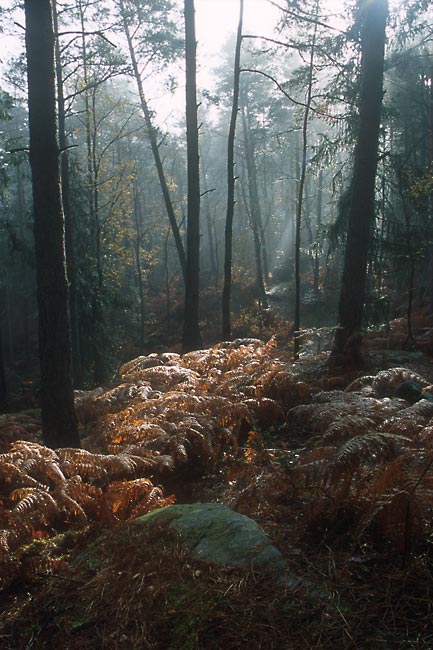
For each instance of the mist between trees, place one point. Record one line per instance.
(331, 140)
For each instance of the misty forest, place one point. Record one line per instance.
(216, 326)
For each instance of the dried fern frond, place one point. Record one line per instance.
(357, 404)
(228, 356)
(245, 342)
(360, 382)
(46, 491)
(12, 476)
(325, 396)
(30, 499)
(82, 463)
(24, 449)
(370, 448)
(422, 409)
(167, 377)
(73, 511)
(122, 395)
(386, 381)
(124, 465)
(400, 502)
(316, 339)
(197, 444)
(34, 508)
(201, 360)
(310, 419)
(47, 471)
(91, 499)
(132, 370)
(265, 411)
(130, 499)
(410, 421)
(11, 431)
(159, 462)
(236, 383)
(282, 386)
(83, 396)
(339, 468)
(129, 428)
(348, 427)
(170, 358)
(103, 467)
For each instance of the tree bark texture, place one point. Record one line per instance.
(71, 266)
(362, 208)
(254, 203)
(98, 336)
(298, 221)
(231, 179)
(191, 331)
(57, 400)
(3, 384)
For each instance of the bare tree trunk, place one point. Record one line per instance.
(210, 230)
(137, 251)
(298, 223)
(69, 230)
(3, 385)
(154, 146)
(191, 331)
(430, 166)
(167, 284)
(27, 272)
(59, 423)
(361, 215)
(316, 270)
(99, 373)
(254, 208)
(231, 179)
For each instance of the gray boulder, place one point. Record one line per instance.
(217, 534)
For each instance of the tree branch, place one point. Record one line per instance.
(271, 40)
(286, 94)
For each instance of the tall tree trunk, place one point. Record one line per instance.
(59, 423)
(362, 209)
(191, 331)
(138, 220)
(254, 207)
(27, 273)
(69, 230)
(100, 341)
(430, 166)
(316, 271)
(210, 230)
(298, 222)
(167, 283)
(98, 347)
(231, 179)
(3, 385)
(151, 134)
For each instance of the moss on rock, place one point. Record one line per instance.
(215, 533)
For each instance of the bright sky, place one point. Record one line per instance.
(217, 19)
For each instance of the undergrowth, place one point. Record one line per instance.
(338, 472)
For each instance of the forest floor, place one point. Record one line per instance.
(336, 467)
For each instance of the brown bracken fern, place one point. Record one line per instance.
(362, 470)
